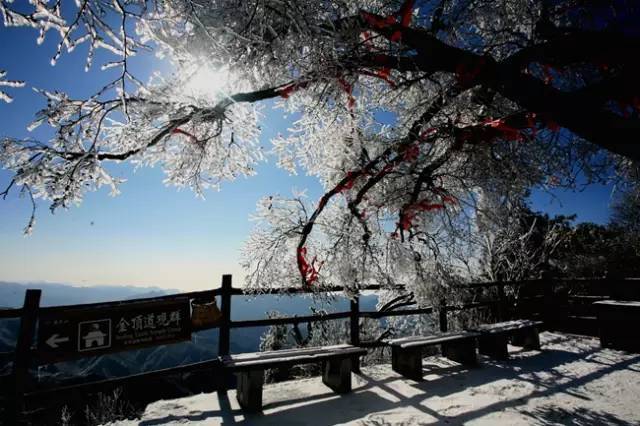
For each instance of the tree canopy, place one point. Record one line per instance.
(423, 120)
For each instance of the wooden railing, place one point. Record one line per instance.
(25, 354)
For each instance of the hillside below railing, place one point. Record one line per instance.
(557, 302)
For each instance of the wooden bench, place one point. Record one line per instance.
(618, 324)
(406, 353)
(249, 368)
(494, 338)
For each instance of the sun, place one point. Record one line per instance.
(205, 82)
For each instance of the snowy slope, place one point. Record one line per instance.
(572, 381)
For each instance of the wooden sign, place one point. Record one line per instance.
(65, 334)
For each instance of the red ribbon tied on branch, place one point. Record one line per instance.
(466, 73)
(410, 212)
(402, 17)
(506, 132)
(309, 271)
(287, 90)
(351, 101)
(179, 131)
(351, 180)
(383, 73)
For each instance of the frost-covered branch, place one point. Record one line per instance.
(408, 113)
(8, 83)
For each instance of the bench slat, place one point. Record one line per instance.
(287, 352)
(625, 303)
(290, 356)
(416, 341)
(507, 326)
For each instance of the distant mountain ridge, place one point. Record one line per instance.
(12, 293)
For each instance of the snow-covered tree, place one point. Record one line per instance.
(518, 244)
(626, 208)
(408, 112)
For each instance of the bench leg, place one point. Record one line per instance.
(494, 345)
(606, 339)
(462, 351)
(249, 390)
(407, 362)
(355, 364)
(527, 338)
(336, 374)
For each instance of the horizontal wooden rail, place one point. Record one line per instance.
(305, 290)
(499, 284)
(532, 297)
(376, 314)
(483, 304)
(373, 344)
(585, 297)
(10, 313)
(107, 384)
(207, 294)
(289, 320)
(204, 294)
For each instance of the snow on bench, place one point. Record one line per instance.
(494, 338)
(271, 359)
(249, 367)
(406, 352)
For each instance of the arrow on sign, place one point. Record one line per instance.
(55, 339)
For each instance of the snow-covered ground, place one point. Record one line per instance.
(570, 382)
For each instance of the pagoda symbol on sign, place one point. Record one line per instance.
(95, 337)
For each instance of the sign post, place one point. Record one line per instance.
(22, 354)
(65, 334)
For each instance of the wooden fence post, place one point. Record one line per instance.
(443, 316)
(354, 320)
(225, 307)
(224, 330)
(22, 355)
(502, 303)
(551, 305)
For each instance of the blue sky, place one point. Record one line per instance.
(150, 234)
